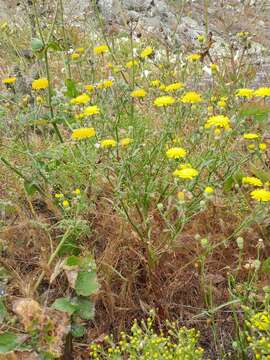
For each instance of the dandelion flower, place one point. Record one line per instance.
(77, 192)
(193, 57)
(75, 56)
(126, 141)
(176, 153)
(155, 83)
(218, 121)
(108, 143)
(214, 68)
(59, 196)
(262, 146)
(245, 92)
(146, 52)
(191, 97)
(164, 101)
(80, 50)
(40, 84)
(260, 195)
(81, 99)
(65, 203)
(105, 84)
(187, 173)
(10, 80)
(83, 133)
(91, 110)
(138, 93)
(131, 63)
(200, 38)
(251, 180)
(251, 136)
(262, 92)
(181, 196)
(174, 87)
(101, 49)
(222, 103)
(208, 190)
(89, 87)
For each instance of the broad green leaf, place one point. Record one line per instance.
(30, 187)
(73, 261)
(86, 283)
(65, 305)
(77, 330)
(85, 308)
(8, 342)
(266, 265)
(71, 88)
(3, 311)
(54, 46)
(37, 45)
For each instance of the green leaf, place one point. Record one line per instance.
(8, 342)
(71, 88)
(266, 265)
(85, 308)
(86, 283)
(37, 45)
(77, 330)
(73, 261)
(65, 305)
(30, 187)
(3, 311)
(54, 46)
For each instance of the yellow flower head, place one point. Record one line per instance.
(176, 153)
(181, 196)
(138, 93)
(81, 99)
(164, 101)
(174, 87)
(77, 192)
(105, 84)
(245, 92)
(89, 87)
(91, 110)
(187, 173)
(200, 38)
(251, 136)
(191, 97)
(262, 92)
(75, 56)
(80, 50)
(65, 203)
(208, 190)
(214, 67)
(251, 180)
(218, 121)
(193, 57)
(83, 133)
(261, 321)
(131, 63)
(222, 103)
(260, 195)
(146, 52)
(101, 49)
(108, 143)
(9, 80)
(40, 84)
(262, 146)
(126, 141)
(59, 196)
(155, 83)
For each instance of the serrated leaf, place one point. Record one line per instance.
(77, 330)
(8, 342)
(85, 308)
(37, 45)
(30, 187)
(65, 305)
(86, 283)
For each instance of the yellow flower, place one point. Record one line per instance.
(65, 203)
(262, 92)
(261, 195)
(83, 133)
(146, 52)
(251, 180)
(80, 50)
(200, 38)
(75, 56)
(214, 67)
(176, 153)
(138, 93)
(181, 196)
(174, 87)
(193, 57)
(126, 141)
(91, 110)
(245, 92)
(131, 63)
(261, 321)
(164, 101)
(77, 192)
(59, 196)
(162, 87)
(218, 121)
(81, 99)
(251, 146)
(251, 136)
(9, 80)
(208, 190)
(155, 83)
(108, 143)
(105, 84)
(191, 97)
(262, 146)
(40, 84)
(186, 173)
(222, 103)
(89, 87)
(101, 49)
